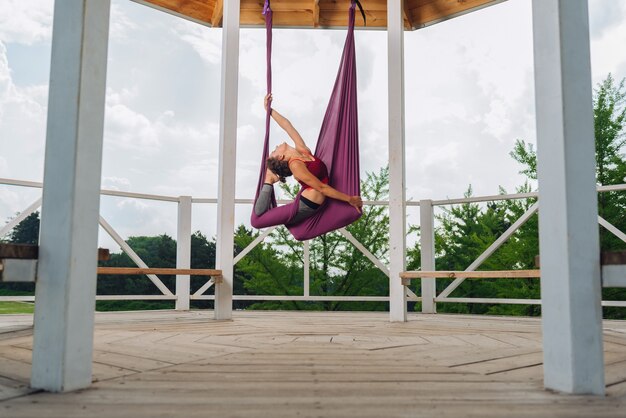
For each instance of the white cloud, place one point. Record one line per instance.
(10, 203)
(205, 41)
(26, 22)
(121, 26)
(129, 130)
(134, 217)
(604, 16)
(116, 183)
(22, 123)
(607, 48)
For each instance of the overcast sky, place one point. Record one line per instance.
(469, 96)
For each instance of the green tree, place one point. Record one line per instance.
(610, 120)
(609, 112)
(27, 231)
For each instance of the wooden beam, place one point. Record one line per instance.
(313, 13)
(493, 274)
(103, 254)
(31, 252)
(21, 251)
(431, 12)
(608, 258)
(218, 14)
(406, 13)
(164, 271)
(316, 13)
(195, 10)
(407, 276)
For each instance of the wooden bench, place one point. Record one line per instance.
(613, 273)
(216, 274)
(18, 263)
(407, 276)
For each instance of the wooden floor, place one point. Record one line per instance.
(288, 364)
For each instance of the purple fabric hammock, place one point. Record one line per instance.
(337, 147)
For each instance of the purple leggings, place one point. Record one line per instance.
(280, 215)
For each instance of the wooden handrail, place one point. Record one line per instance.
(495, 274)
(165, 271)
(407, 276)
(31, 252)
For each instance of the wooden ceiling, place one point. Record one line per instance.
(320, 13)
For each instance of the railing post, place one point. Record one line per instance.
(427, 245)
(183, 252)
(307, 266)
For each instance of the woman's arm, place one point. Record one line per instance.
(284, 123)
(300, 171)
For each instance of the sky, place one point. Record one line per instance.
(469, 96)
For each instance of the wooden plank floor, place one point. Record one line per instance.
(308, 364)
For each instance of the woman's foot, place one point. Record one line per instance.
(270, 177)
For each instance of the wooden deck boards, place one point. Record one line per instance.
(289, 364)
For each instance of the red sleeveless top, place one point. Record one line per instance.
(316, 167)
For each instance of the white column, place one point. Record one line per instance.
(66, 286)
(397, 210)
(307, 268)
(568, 236)
(183, 252)
(228, 148)
(427, 246)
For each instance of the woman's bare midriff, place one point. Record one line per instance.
(314, 196)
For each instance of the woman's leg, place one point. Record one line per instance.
(264, 201)
(279, 215)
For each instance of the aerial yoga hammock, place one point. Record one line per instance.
(337, 147)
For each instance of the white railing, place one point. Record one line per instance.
(427, 246)
(183, 296)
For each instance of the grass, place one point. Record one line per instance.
(16, 308)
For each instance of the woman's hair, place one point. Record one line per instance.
(279, 167)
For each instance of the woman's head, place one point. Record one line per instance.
(282, 151)
(279, 167)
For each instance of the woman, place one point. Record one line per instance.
(309, 171)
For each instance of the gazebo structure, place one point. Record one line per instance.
(64, 316)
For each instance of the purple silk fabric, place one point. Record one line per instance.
(337, 147)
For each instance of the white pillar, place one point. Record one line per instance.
(228, 148)
(427, 246)
(568, 236)
(66, 286)
(307, 268)
(397, 209)
(183, 252)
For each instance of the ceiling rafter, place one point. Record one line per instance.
(218, 13)
(316, 13)
(320, 13)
